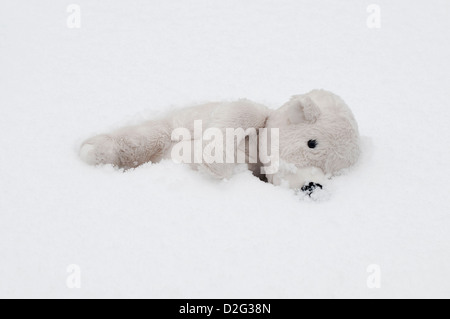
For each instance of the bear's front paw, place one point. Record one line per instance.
(99, 150)
(310, 188)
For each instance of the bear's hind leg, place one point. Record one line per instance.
(129, 147)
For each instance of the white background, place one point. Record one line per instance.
(165, 231)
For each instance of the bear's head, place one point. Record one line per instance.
(318, 136)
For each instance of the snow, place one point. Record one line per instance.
(164, 231)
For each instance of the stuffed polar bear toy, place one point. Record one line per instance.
(315, 136)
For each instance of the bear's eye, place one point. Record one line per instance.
(312, 143)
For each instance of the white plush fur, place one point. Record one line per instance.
(321, 116)
(318, 115)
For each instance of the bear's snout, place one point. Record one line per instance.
(310, 188)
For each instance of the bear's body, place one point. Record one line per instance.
(318, 136)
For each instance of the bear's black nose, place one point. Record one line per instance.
(310, 188)
(312, 143)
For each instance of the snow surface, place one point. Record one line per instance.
(166, 231)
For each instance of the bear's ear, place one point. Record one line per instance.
(302, 109)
